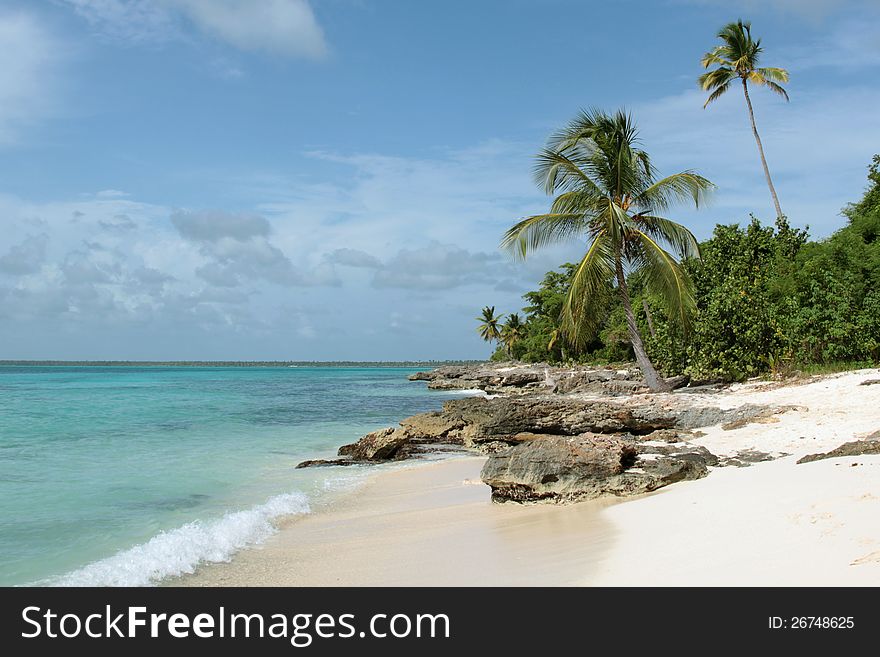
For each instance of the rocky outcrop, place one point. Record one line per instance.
(501, 419)
(870, 445)
(747, 457)
(728, 418)
(557, 434)
(318, 463)
(432, 427)
(491, 425)
(589, 465)
(380, 445)
(519, 378)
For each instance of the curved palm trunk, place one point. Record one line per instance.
(652, 378)
(650, 319)
(761, 150)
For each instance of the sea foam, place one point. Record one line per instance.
(179, 551)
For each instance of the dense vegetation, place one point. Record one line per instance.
(767, 299)
(750, 299)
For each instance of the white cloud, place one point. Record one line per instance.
(440, 267)
(237, 248)
(286, 27)
(849, 45)
(128, 21)
(394, 234)
(111, 193)
(214, 225)
(28, 74)
(282, 27)
(26, 257)
(353, 258)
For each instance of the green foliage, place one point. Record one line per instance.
(489, 327)
(742, 313)
(767, 300)
(541, 340)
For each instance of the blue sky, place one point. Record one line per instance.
(282, 179)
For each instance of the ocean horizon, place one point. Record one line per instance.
(131, 474)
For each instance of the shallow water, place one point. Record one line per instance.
(128, 475)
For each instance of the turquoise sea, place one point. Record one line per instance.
(130, 475)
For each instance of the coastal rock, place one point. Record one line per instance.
(457, 384)
(319, 463)
(512, 378)
(676, 382)
(685, 451)
(571, 381)
(747, 457)
(598, 381)
(667, 435)
(729, 418)
(478, 421)
(568, 468)
(519, 379)
(501, 419)
(376, 446)
(432, 427)
(854, 448)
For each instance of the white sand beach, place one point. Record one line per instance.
(773, 523)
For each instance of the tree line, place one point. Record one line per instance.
(750, 299)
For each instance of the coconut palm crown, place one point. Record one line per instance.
(489, 328)
(512, 332)
(606, 191)
(737, 58)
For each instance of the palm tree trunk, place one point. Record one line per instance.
(650, 319)
(761, 150)
(654, 381)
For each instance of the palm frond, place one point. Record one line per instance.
(682, 240)
(584, 127)
(666, 277)
(773, 74)
(715, 95)
(541, 230)
(777, 89)
(588, 295)
(679, 187)
(761, 80)
(555, 171)
(578, 201)
(718, 55)
(716, 78)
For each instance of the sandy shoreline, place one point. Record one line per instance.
(774, 523)
(424, 525)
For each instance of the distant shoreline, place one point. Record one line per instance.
(235, 363)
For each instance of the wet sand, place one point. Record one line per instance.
(426, 525)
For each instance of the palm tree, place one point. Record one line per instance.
(607, 192)
(738, 58)
(512, 332)
(489, 324)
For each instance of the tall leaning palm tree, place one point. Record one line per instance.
(737, 58)
(489, 328)
(606, 191)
